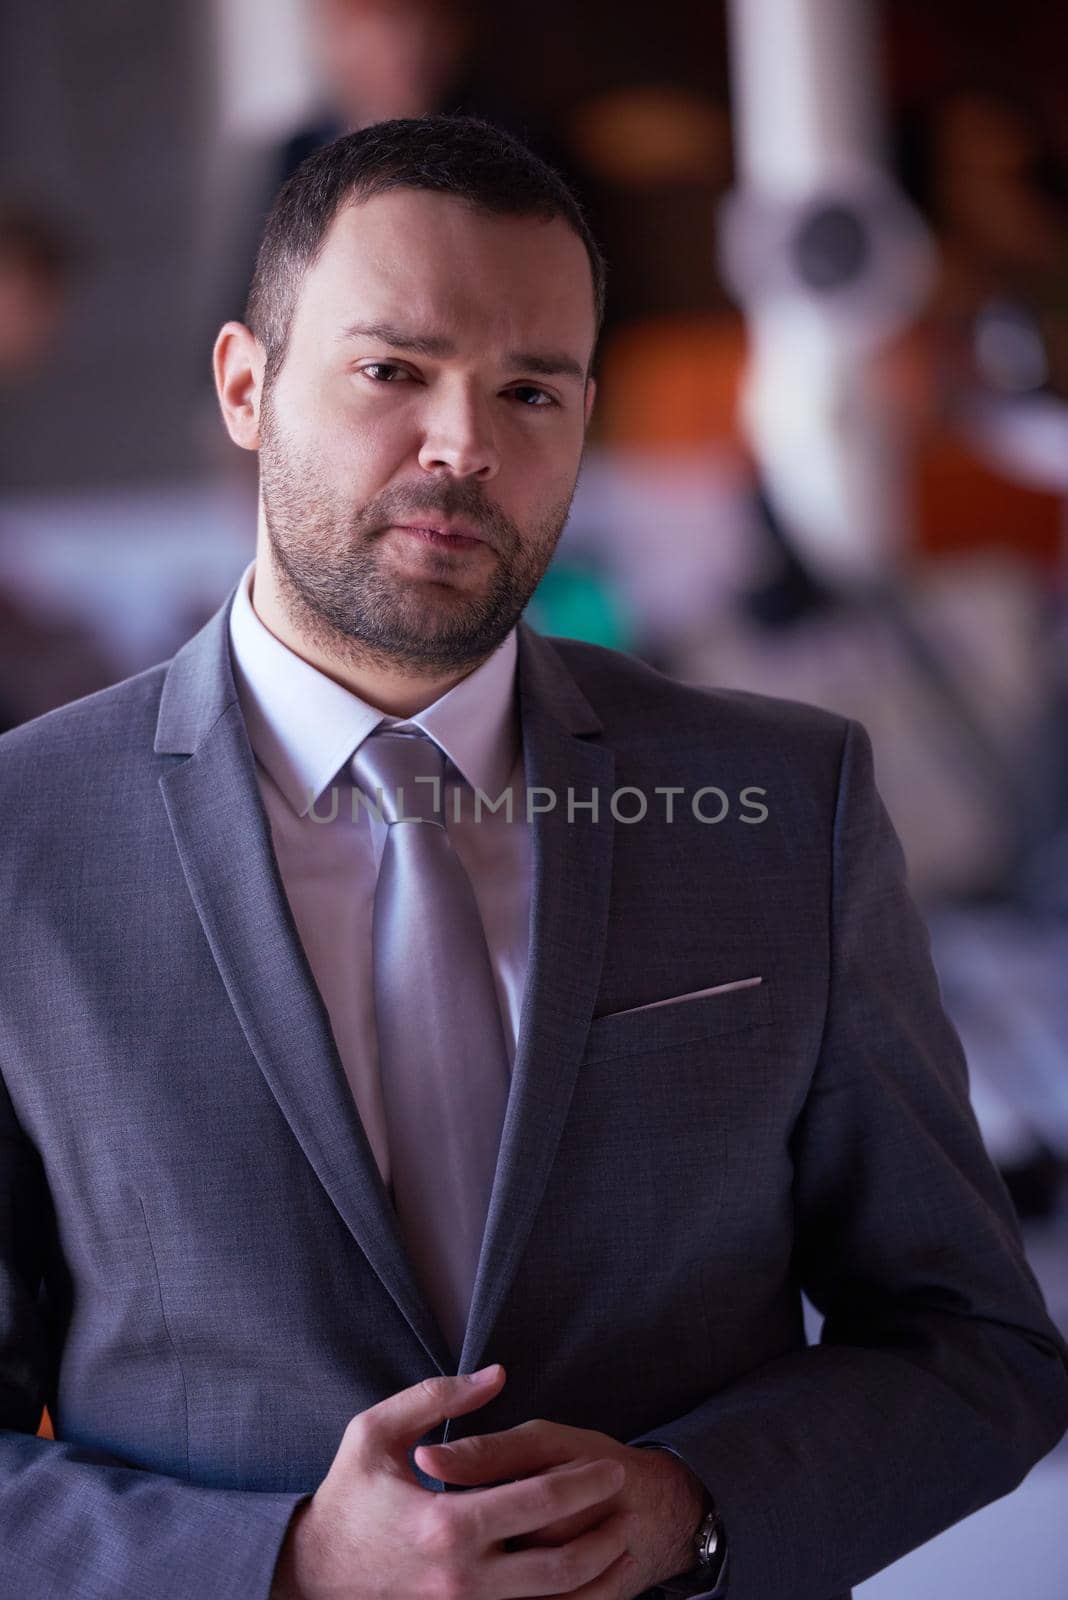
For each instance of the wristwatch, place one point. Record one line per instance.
(707, 1579)
(711, 1545)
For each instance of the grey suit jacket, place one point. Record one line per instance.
(199, 1269)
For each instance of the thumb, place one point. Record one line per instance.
(402, 1418)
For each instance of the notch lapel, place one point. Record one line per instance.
(223, 840)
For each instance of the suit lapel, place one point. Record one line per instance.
(224, 845)
(223, 840)
(571, 880)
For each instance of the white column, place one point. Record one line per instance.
(809, 132)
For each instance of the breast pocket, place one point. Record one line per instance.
(665, 1027)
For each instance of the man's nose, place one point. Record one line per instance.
(459, 434)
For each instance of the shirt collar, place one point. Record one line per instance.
(304, 727)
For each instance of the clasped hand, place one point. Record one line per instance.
(549, 1510)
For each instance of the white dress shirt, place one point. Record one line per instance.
(304, 729)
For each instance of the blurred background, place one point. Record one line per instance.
(829, 457)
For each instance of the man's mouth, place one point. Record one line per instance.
(441, 538)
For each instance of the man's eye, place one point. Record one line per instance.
(529, 394)
(382, 367)
(542, 396)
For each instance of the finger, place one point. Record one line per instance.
(402, 1418)
(564, 1528)
(487, 1457)
(470, 1470)
(570, 1568)
(511, 1509)
(617, 1582)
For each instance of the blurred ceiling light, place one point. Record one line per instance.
(654, 134)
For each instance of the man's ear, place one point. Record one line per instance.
(591, 390)
(238, 361)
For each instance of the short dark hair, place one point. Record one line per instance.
(464, 156)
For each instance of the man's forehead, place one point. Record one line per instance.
(412, 255)
(408, 207)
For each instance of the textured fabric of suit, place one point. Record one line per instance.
(200, 1274)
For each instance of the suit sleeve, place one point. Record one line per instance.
(76, 1523)
(939, 1379)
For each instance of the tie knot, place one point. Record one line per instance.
(408, 769)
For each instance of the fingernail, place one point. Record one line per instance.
(483, 1373)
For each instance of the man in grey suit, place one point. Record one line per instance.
(309, 1110)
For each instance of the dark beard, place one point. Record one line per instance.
(338, 593)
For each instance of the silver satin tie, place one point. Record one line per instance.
(442, 1054)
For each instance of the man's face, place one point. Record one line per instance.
(434, 377)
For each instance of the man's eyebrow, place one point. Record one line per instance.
(547, 363)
